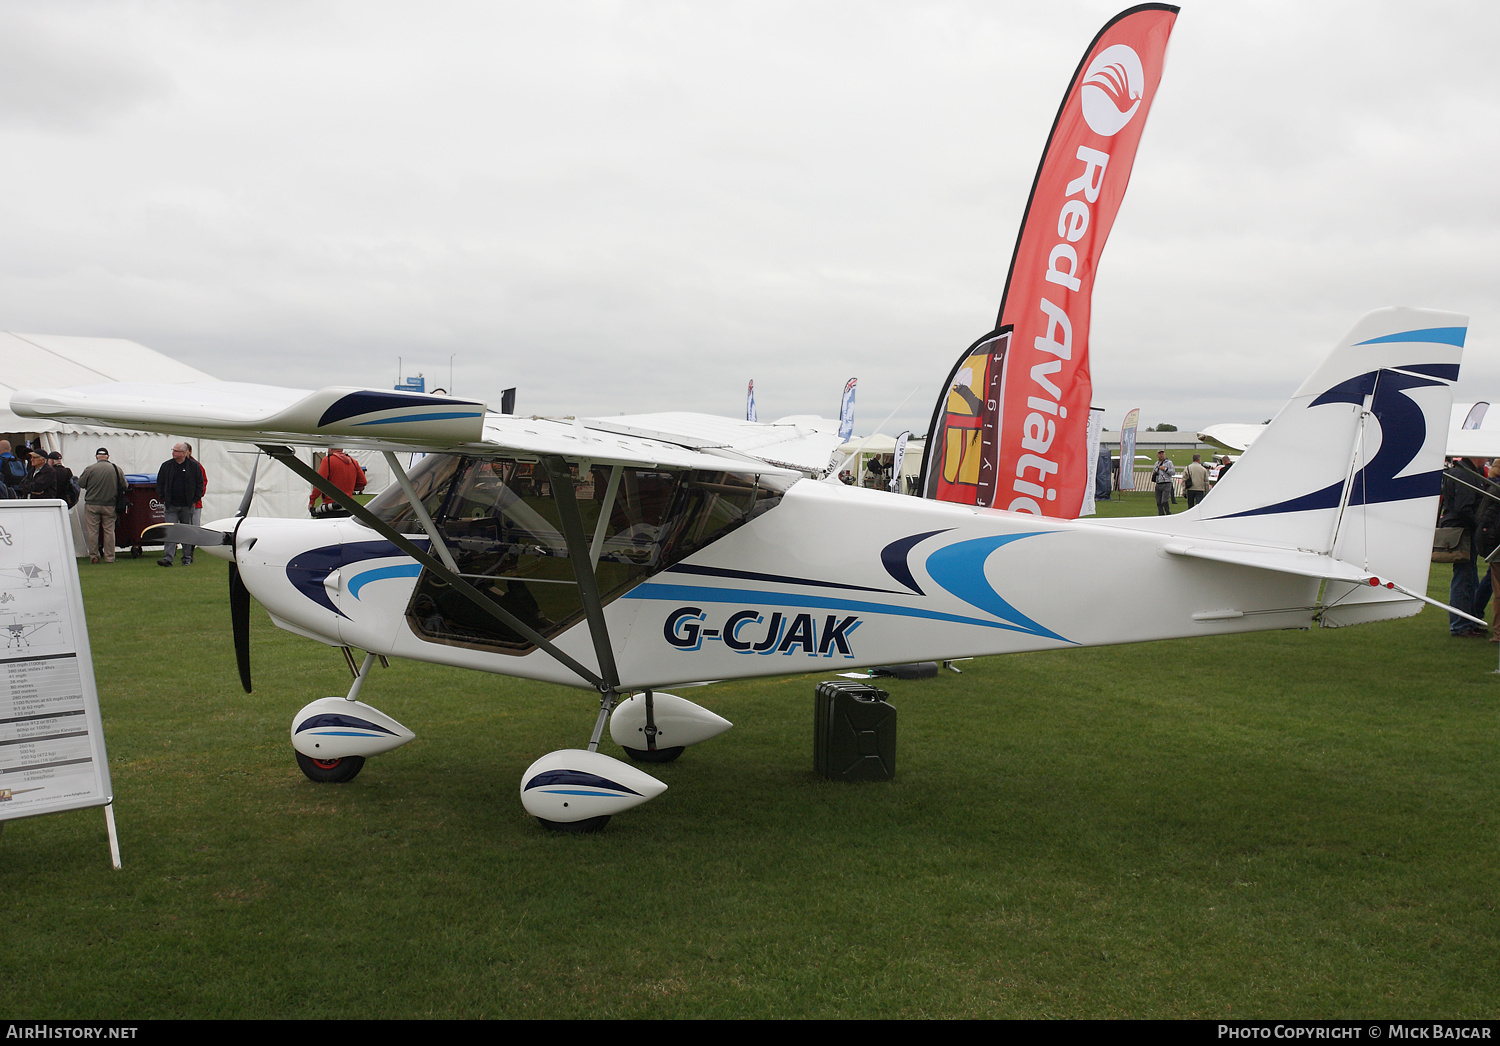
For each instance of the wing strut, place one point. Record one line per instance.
(606, 508)
(420, 511)
(588, 585)
(462, 587)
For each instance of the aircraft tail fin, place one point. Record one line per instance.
(1351, 467)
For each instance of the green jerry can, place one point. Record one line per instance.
(854, 732)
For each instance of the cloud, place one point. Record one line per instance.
(631, 206)
(61, 73)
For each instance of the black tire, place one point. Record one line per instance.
(331, 771)
(135, 552)
(584, 827)
(660, 755)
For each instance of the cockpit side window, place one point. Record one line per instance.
(431, 477)
(499, 519)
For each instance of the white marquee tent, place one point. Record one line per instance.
(54, 361)
(880, 445)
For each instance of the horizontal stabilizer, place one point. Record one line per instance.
(1304, 564)
(1284, 561)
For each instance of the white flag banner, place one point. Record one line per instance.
(846, 411)
(899, 457)
(1096, 421)
(1127, 449)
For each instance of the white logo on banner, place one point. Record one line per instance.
(1112, 89)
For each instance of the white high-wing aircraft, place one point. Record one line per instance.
(630, 554)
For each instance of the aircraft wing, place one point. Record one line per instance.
(1230, 436)
(805, 442)
(1462, 443)
(232, 410)
(377, 419)
(1474, 443)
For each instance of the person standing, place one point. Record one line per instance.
(12, 471)
(179, 485)
(42, 483)
(343, 472)
(198, 505)
(1195, 481)
(1462, 483)
(1161, 476)
(67, 486)
(1487, 544)
(102, 484)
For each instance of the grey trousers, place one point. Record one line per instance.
(179, 514)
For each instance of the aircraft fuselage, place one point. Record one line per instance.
(830, 577)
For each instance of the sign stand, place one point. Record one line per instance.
(52, 754)
(114, 837)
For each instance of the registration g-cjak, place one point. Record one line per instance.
(632, 554)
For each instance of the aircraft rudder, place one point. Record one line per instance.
(1362, 439)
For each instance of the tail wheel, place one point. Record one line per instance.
(331, 771)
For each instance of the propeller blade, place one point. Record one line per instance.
(249, 489)
(185, 534)
(239, 619)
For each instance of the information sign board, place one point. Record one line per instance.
(51, 736)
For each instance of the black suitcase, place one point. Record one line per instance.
(854, 732)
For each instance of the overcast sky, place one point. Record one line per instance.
(639, 206)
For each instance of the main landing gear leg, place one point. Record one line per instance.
(606, 704)
(651, 753)
(654, 727)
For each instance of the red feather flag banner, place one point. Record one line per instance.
(1010, 430)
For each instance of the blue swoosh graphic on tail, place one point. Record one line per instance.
(1403, 429)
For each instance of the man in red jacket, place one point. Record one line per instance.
(343, 472)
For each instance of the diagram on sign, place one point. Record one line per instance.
(19, 629)
(32, 575)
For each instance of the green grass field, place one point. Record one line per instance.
(1286, 824)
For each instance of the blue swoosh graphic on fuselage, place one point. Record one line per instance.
(360, 580)
(751, 597)
(308, 570)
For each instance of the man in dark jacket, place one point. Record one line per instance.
(179, 486)
(44, 479)
(1462, 483)
(1487, 543)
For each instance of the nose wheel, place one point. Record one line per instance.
(333, 736)
(331, 771)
